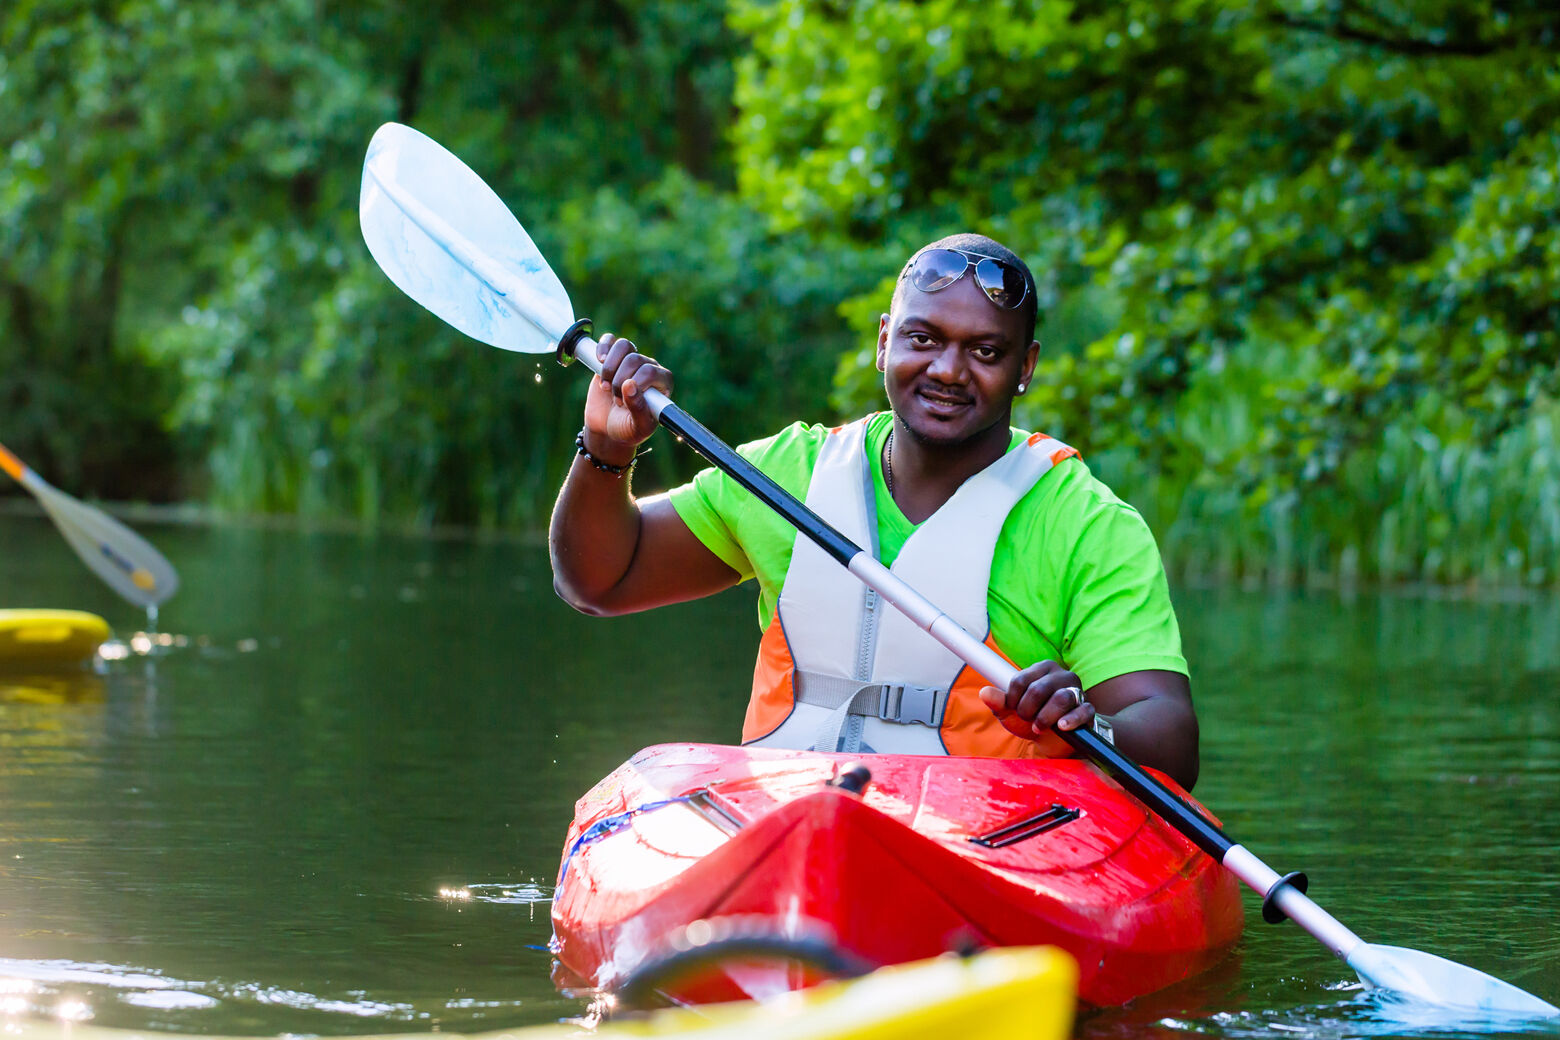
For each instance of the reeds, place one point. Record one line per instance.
(1441, 508)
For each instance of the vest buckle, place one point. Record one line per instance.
(905, 702)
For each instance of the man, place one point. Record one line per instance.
(1006, 531)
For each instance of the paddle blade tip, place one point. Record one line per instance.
(1445, 984)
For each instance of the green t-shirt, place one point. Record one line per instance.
(1075, 577)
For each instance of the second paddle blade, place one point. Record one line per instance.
(447, 241)
(128, 563)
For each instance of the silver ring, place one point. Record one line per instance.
(1078, 701)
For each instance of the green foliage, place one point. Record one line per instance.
(1298, 262)
(148, 137)
(1318, 244)
(747, 313)
(863, 112)
(183, 189)
(371, 407)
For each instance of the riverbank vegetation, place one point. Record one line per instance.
(1299, 262)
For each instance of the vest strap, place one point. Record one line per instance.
(904, 703)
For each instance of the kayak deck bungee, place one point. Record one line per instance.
(49, 637)
(935, 853)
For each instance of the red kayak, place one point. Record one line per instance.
(933, 854)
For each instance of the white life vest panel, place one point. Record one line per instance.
(863, 677)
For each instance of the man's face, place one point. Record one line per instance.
(952, 361)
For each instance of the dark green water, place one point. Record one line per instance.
(250, 830)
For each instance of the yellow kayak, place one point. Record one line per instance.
(34, 637)
(1017, 993)
(1005, 994)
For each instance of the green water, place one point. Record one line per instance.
(257, 828)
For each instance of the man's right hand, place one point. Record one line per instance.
(617, 419)
(613, 553)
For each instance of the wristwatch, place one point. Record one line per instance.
(1104, 730)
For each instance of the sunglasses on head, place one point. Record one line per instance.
(932, 270)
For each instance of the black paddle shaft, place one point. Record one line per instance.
(725, 458)
(1163, 801)
(757, 481)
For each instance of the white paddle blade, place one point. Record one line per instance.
(1443, 983)
(447, 241)
(123, 559)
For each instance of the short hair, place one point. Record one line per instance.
(1028, 311)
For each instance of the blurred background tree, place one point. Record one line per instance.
(1298, 260)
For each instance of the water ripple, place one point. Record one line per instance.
(44, 988)
(524, 894)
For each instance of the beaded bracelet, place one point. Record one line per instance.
(605, 467)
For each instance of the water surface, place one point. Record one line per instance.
(333, 803)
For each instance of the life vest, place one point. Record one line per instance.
(839, 669)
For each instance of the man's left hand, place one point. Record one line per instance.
(1039, 697)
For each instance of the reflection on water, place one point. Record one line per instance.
(330, 797)
(51, 688)
(1364, 1014)
(519, 895)
(67, 991)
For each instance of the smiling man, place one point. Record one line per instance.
(1005, 530)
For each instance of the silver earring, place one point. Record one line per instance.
(1022, 387)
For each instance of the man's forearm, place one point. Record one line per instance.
(593, 535)
(1162, 733)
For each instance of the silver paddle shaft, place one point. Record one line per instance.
(1262, 879)
(585, 354)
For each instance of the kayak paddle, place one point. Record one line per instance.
(447, 240)
(122, 558)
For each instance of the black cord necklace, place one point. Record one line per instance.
(888, 461)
